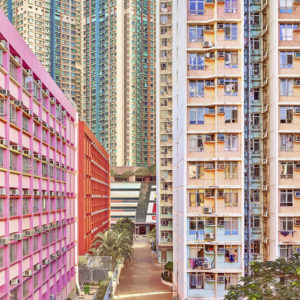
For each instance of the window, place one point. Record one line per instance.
(196, 170)
(231, 142)
(286, 251)
(255, 145)
(286, 114)
(231, 59)
(230, 170)
(286, 60)
(1, 208)
(255, 247)
(25, 288)
(231, 226)
(287, 169)
(286, 32)
(196, 143)
(35, 242)
(44, 239)
(286, 142)
(1, 257)
(255, 171)
(256, 69)
(36, 205)
(15, 294)
(255, 44)
(13, 252)
(286, 224)
(25, 247)
(286, 6)
(13, 69)
(231, 87)
(13, 114)
(44, 204)
(196, 198)
(230, 6)
(230, 31)
(255, 20)
(230, 198)
(286, 198)
(196, 61)
(35, 167)
(255, 120)
(230, 114)
(1, 57)
(255, 221)
(230, 279)
(196, 115)
(196, 88)
(196, 33)
(13, 207)
(2, 107)
(254, 196)
(196, 7)
(26, 164)
(25, 206)
(35, 129)
(196, 223)
(44, 169)
(13, 161)
(25, 123)
(286, 87)
(44, 135)
(196, 281)
(256, 94)
(36, 280)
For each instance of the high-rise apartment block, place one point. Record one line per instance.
(93, 188)
(235, 140)
(164, 139)
(38, 182)
(52, 31)
(208, 147)
(119, 86)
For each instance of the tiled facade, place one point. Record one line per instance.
(164, 131)
(208, 147)
(38, 180)
(93, 188)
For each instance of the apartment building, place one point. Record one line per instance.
(164, 131)
(93, 188)
(52, 31)
(37, 177)
(119, 87)
(208, 147)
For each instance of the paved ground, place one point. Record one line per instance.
(140, 279)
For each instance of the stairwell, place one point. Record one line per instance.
(142, 207)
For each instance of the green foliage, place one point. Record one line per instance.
(103, 284)
(166, 276)
(116, 243)
(169, 266)
(276, 280)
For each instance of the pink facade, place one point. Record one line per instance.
(37, 177)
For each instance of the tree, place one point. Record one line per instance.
(276, 280)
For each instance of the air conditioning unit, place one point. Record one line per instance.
(207, 44)
(37, 156)
(29, 233)
(57, 194)
(297, 193)
(18, 236)
(297, 82)
(63, 222)
(209, 194)
(220, 166)
(27, 152)
(45, 261)
(63, 249)
(220, 26)
(28, 111)
(209, 55)
(27, 273)
(2, 192)
(221, 250)
(4, 241)
(37, 230)
(52, 194)
(297, 165)
(26, 192)
(265, 187)
(266, 214)
(221, 54)
(46, 92)
(208, 210)
(221, 278)
(16, 148)
(52, 257)
(221, 81)
(220, 194)
(209, 236)
(221, 223)
(209, 83)
(265, 161)
(14, 192)
(14, 281)
(36, 193)
(45, 227)
(38, 119)
(52, 297)
(44, 193)
(17, 59)
(18, 103)
(4, 43)
(3, 142)
(206, 266)
(58, 253)
(37, 267)
(4, 93)
(297, 221)
(53, 225)
(210, 222)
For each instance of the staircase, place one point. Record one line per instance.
(141, 211)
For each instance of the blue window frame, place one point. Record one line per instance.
(286, 6)
(286, 87)
(231, 87)
(196, 61)
(286, 60)
(196, 7)
(286, 31)
(230, 31)
(196, 33)
(196, 115)
(230, 6)
(196, 88)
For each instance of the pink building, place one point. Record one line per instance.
(37, 177)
